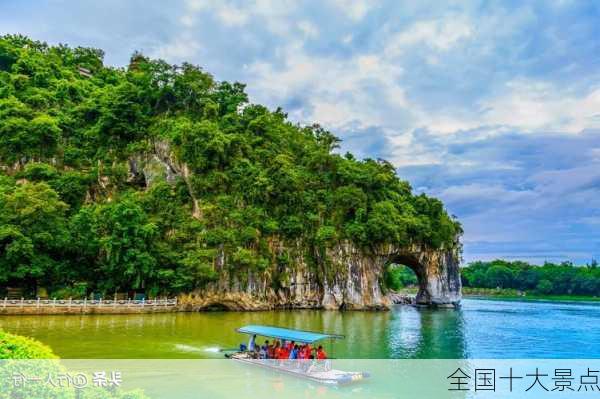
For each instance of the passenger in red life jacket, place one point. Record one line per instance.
(271, 351)
(307, 351)
(277, 351)
(303, 354)
(321, 355)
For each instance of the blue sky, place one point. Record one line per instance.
(494, 107)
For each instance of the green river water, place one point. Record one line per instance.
(480, 329)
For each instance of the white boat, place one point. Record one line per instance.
(314, 370)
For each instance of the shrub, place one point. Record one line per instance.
(18, 347)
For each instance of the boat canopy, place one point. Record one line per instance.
(285, 333)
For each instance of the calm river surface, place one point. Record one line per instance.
(480, 329)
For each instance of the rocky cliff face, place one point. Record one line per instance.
(352, 281)
(437, 271)
(344, 276)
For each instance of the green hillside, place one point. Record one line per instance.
(77, 214)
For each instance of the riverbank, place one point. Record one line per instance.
(70, 306)
(404, 295)
(511, 294)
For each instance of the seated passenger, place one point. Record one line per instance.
(307, 351)
(284, 354)
(265, 349)
(294, 353)
(321, 355)
(277, 351)
(262, 353)
(271, 351)
(302, 353)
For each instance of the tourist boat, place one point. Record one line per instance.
(314, 370)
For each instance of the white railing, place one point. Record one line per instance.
(113, 303)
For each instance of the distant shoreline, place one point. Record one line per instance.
(509, 294)
(506, 294)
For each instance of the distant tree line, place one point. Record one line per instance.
(548, 279)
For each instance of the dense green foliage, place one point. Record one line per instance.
(18, 347)
(399, 276)
(549, 279)
(75, 210)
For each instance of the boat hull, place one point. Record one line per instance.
(317, 371)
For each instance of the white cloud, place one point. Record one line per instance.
(197, 5)
(187, 21)
(179, 49)
(485, 194)
(335, 90)
(440, 34)
(355, 9)
(232, 16)
(273, 14)
(532, 105)
(309, 29)
(526, 105)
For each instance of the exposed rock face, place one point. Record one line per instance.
(352, 281)
(346, 277)
(402, 299)
(437, 271)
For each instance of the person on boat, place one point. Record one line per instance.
(252, 343)
(290, 345)
(321, 355)
(256, 353)
(306, 352)
(302, 352)
(284, 353)
(294, 353)
(271, 351)
(262, 354)
(277, 351)
(264, 349)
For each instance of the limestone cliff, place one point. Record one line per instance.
(341, 276)
(351, 281)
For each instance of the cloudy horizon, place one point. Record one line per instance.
(493, 107)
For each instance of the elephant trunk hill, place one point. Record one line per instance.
(159, 179)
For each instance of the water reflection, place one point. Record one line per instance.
(417, 333)
(480, 329)
(404, 332)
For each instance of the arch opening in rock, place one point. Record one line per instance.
(217, 307)
(438, 276)
(413, 264)
(399, 277)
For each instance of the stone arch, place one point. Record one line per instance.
(413, 263)
(437, 272)
(216, 306)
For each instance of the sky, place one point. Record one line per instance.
(493, 107)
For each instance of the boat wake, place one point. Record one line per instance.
(189, 348)
(213, 349)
